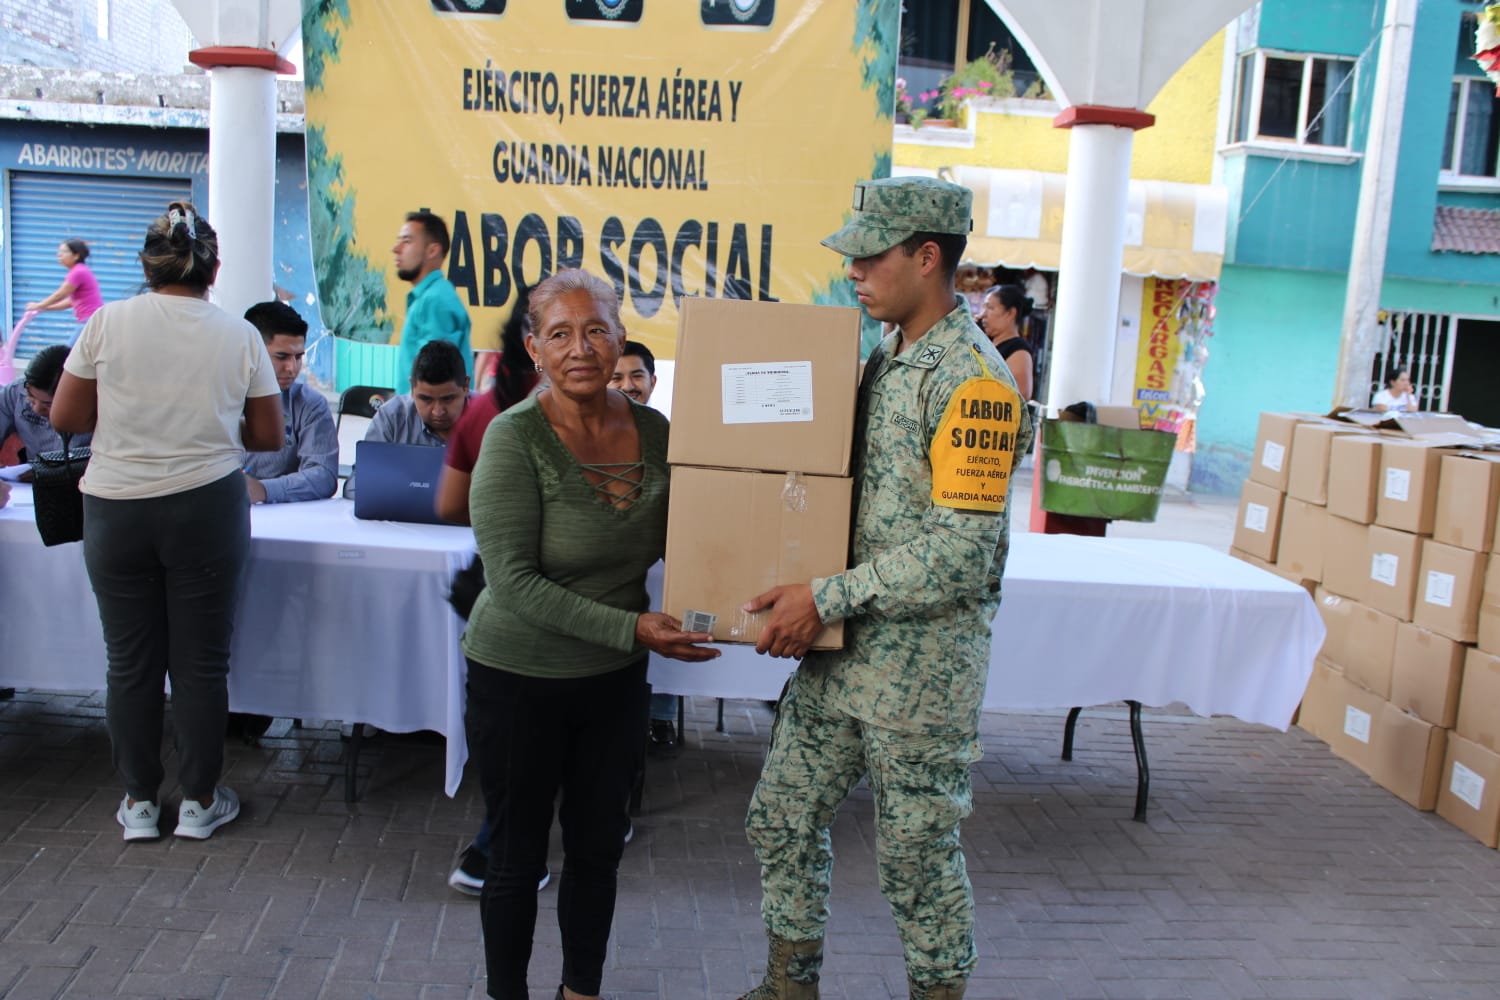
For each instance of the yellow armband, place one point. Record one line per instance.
(974, 448)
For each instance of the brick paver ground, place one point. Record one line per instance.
(1267, 868)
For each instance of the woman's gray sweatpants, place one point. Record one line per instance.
(166, 572)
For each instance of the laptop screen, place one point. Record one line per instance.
(397, 482)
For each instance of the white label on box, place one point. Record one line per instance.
(1384, 566)
(1356, 723)
(1466, 786)
(772, 392)
(1397, 485)
(1256, 516)
(1439, 589)
(1271, 456)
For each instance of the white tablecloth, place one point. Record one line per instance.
(348, 619)
(1085, 621)
(339, 619)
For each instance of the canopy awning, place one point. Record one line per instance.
(1171, 230)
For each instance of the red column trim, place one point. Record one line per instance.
(215, 56)
(1100, 114)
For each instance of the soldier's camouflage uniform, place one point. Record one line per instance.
(900, 702)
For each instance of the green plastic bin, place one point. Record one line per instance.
(1090, 470)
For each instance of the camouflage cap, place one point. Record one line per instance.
(891, 209)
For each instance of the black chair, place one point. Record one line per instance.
(358, 401)
(362, 401)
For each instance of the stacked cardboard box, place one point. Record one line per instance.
(762, 431)
(1397, 528)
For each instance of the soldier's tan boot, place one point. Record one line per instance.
(937, 991)
(791, 971)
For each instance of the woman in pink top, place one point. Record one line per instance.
(79, 289)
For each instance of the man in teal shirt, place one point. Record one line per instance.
(433, 310)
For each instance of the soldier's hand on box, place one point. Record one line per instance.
(794, 621)
(663, 634)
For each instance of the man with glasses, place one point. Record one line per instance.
(26, 405)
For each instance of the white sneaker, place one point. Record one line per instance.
(197, 823)
(139, 820)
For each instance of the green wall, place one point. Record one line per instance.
(1276, 347)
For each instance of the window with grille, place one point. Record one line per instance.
(1421, 343)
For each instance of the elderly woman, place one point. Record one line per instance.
(569, 506)
(177, 388)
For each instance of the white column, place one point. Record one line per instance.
(1093, 248)
(1372, 220)
(242, 182)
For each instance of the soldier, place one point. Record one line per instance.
(940, 428)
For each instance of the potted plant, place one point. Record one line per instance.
(905, 113)
(988, 76)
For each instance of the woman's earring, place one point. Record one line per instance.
(538, 366)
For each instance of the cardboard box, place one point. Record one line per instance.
(1450, 585)
(1445, 430)
(1408, 486)
(1309, 585)
(1353, 470)
(1407, 758)
(1427, 674)
(1343, 715)
(1272, 460)
(733, 535)
(1311, 447)
(1346, 556)
(1255, 561)
(1489, 610)
(1391, 571)
(1468, 494)
(1299, 546)
(1259, 521)
(1316, 713)
(1370, 650)
(1469, 795)
(1479, 700)
(1337, 613)
(765, 385)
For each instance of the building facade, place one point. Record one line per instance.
(1300, 79)
(105, 122)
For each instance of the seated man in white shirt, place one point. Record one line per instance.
(307, 466)
(427, 414)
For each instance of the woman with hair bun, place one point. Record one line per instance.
(80, 289)
(175, 390)
(1005, 309)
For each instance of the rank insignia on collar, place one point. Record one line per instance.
(931, 355)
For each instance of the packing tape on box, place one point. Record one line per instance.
(794, 493)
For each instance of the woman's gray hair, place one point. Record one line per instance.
(181, 248)
(575, 280)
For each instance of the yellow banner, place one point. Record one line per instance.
(1161, 346)
(674, 148)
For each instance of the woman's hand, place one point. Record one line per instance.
(663, 634)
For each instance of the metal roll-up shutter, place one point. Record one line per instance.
(110, 214)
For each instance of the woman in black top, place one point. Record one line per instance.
(1005, 308)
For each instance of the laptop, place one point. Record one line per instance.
(397, 482)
